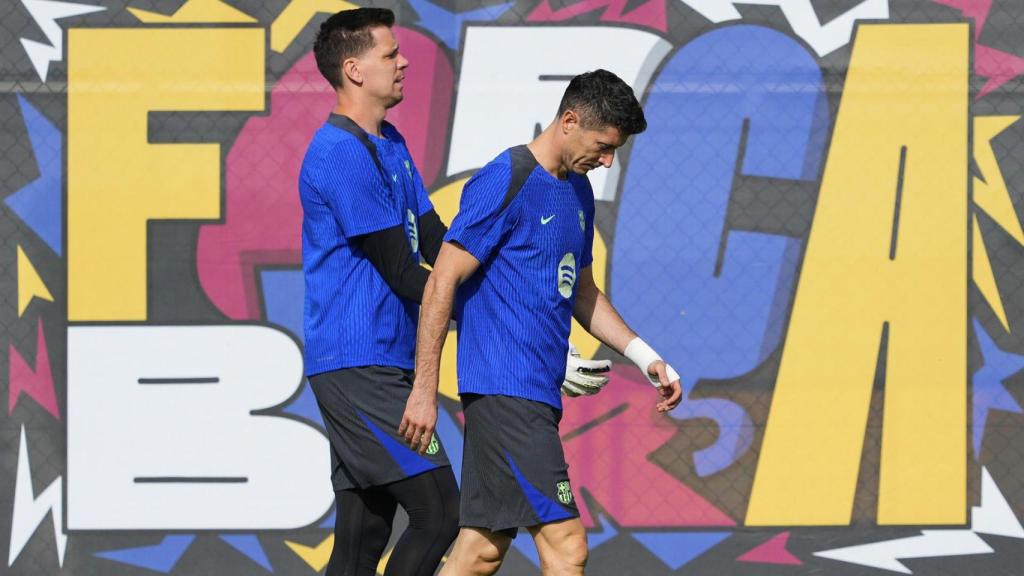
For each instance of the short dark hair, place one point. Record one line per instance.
(344, 35)
(602, 99)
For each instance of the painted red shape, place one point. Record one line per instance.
(651, 14)
(262, 216)
(772, 552)
(610, 460)
(36, 383)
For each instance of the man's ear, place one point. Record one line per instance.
(569, 121)
(350, 69)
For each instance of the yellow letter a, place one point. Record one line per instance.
(888, 247)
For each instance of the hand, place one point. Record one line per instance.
(583, 377)
(659, 373)
(419, 420)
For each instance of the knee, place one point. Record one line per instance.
(437, 515)
(569, 556)
(451, 508)
(444, 518)
(448, 526)
(487, 558)
(574, 551)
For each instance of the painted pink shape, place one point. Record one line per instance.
(424, 115)
(976, 9)
(262, 216)
(651, 14)
(36, 383)
(996, 66)
(610, 461)
(772, 552)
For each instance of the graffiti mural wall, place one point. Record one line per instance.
(821, 230)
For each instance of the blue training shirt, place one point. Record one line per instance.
(514, 314)
(351, 316)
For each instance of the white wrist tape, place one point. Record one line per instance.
(641, 354)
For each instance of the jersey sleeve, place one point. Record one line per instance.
(481, 222)
(353, 189)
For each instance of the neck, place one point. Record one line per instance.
(546, 150)
(367, 115)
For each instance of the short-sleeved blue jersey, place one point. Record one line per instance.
(351, 316)
(514, 314)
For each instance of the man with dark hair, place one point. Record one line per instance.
(516, 268)
(367, 220)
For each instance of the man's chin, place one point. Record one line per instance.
(395, 100)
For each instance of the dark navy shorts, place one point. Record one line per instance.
(362, 409)
(513, 468)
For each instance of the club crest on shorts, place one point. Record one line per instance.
(564, 492)
(566, 275)
(434, 447)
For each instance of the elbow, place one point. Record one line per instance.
(443, 281)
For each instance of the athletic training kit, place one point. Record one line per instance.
(352, 317)
(359, 334)
(532, 234)
(362, 409)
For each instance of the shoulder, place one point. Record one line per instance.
(336, 158)
(510, 169)
(331, 144)
(494, 174)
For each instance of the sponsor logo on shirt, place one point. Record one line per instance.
(566, 275)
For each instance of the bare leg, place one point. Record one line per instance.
(562, 547)
(477, 552)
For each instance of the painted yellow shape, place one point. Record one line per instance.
(985, 278)
(991, 194)
(196, 11)
(30, 284)
(448, 382)
(907, 85)
(315, 556)
(117, 181)
(290, 22)
(384, 561)
(446, 204)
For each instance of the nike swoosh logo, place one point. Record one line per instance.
(394, 177)
(544, 220)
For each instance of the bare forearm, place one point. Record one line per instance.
(438, 298)
(597, 315)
